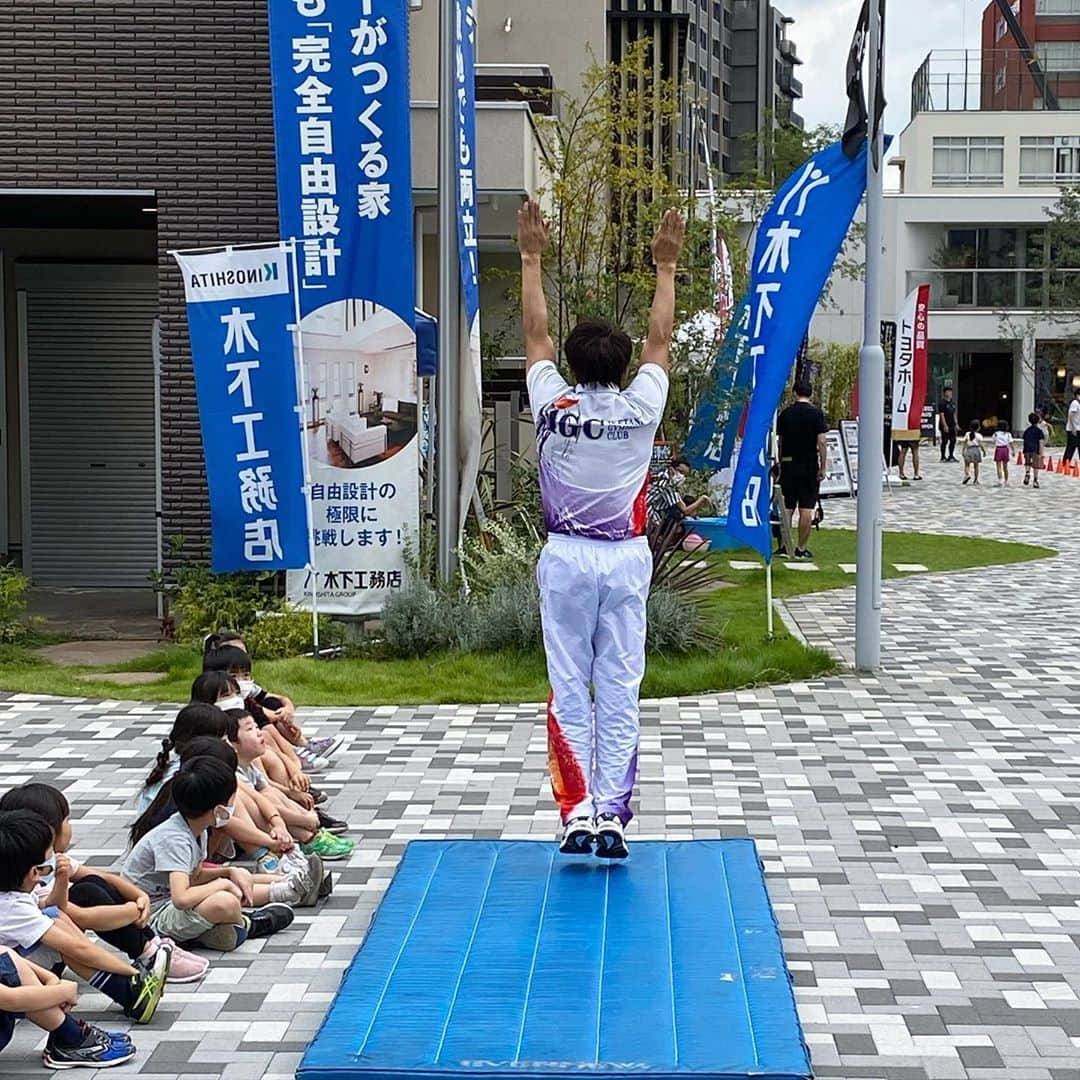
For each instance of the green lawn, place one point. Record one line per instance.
(747, 658)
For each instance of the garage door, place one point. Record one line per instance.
(87, 333)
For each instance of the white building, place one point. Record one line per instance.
(975, 187)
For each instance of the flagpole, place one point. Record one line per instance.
(448, 379)
(871, 381)
(301, 389)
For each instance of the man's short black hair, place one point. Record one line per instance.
(42, 799)
(227, 658)
(598, 352)
(201, 784)
(25, 838)
(803, 389)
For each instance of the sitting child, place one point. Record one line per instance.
(45, 1000)
(50, 938)
(263, 834)
(272, 805)
(277, 708)
(96, 899)
(221, 689)
(217, 906)
(231, 655)
(191, 721)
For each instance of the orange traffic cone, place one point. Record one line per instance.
(1019, 458)
(1048, 464)
(1061, 466)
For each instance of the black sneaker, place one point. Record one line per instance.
(96, 1051)
(327, 887)
(268, 919)
(318, 796)
(803, 553)
(332, 824)
(578, 837)
(781, 553)
(610, 837)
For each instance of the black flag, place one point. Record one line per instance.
(855, 128)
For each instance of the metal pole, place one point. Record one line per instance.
(871, 394)
(449, 301)
(301, 388)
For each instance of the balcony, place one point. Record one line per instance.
(789, 84)
(789, 51)
(999, 290)
(531, 83)
(997, 80)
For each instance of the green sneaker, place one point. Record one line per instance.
(328, 847)
(148, 986)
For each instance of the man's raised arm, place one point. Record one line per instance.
(667, 246)
(533, 237)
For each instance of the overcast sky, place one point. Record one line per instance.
(823, 30)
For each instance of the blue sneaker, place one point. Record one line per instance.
(96, 1051)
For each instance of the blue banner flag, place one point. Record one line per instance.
(711, 441)
(465, 129)
(340, 73)
(240, 309)
(797, 243)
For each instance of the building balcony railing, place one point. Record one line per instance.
(531, 83)
(999, 290)
(995, 80)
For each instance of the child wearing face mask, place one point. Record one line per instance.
(219, 907)
(93, 898)
(277, 708)
(191, 721)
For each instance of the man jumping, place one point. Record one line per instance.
(594, 444)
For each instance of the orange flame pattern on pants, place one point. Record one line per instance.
(567, 778)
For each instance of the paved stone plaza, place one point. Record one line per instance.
(921, 830)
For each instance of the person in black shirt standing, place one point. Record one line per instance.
(803, 455)
(947, 425)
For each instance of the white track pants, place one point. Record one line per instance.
(593, 595)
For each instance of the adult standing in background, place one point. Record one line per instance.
(946, 425)
(1072, 427)
(803, 455)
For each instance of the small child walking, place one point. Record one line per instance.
(1034, 437)
(1003, 441)
(973, 452)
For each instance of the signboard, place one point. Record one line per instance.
(910, 369)
(240, 310)
(340, 71)
(837, 476)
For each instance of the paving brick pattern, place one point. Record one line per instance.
(921, 830)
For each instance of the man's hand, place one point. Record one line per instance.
(668, 242)
(534, 233)
(63, 868)
(71, 993)
(302, 798)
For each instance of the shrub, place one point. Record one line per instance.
(278, 635)
(509, 618)
(505, 553)
(13, 586)
(673, 623)
(418, 621)
(204, 602)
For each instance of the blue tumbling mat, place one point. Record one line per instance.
(503, 959)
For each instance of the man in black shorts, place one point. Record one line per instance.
(803, 454)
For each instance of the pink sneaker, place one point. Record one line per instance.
(185, 966)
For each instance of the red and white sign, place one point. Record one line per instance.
(911, 367)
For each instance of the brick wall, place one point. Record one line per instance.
(169, 95)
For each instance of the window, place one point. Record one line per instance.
(1059, 55)
(1049, 159)
(969, 160)
(999, 80)
(1057, 7)
(1002, 29)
